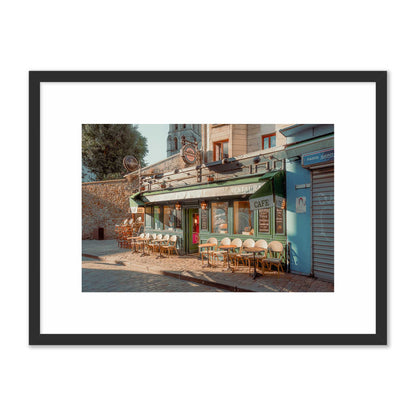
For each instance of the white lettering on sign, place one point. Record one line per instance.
(220, 191)
(133, 210)
(262, 202)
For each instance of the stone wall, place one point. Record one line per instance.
(104, 204)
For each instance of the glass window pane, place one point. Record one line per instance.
(149, 217)
(156, 215)
(265, 142)
(225, 149)
(243, 218)
(219, 217)
(168, 217)
(178, 218)
(272, 141)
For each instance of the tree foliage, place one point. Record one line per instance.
(105, 145)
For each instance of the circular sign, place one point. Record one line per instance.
(189, 154)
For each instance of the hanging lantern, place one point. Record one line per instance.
(177, 206)
(204, 205)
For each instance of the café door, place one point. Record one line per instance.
(192, 234)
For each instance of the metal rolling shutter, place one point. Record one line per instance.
(323, 223)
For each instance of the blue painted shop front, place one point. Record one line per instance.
(299, 227)
(309, 146)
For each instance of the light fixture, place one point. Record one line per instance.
(177, 206)
(256, 159)
(163, 185)
(204, 205)
(210, 179)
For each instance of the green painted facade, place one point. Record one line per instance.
(274, 184)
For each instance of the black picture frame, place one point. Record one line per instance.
(38, 338)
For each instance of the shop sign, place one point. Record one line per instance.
(221, 191)
(301, 205)
(280, 202)
(262, 202)
(264, 221)
(133, 210)
(204, 219)
(322, 156)
(189, 154)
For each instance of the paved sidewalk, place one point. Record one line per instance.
(190, 267)
(101, 276)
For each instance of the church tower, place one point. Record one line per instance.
(177, 132)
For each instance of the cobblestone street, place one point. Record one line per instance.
(122, 270)
(99, 276)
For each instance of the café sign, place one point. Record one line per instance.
(262, 202)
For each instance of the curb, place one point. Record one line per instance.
(178, 275)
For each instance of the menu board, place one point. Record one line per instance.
(204, 220)
(279, 227)
(264, 221)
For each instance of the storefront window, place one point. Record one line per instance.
(219, 217)
(156, 215)
(148, 217)
(171, 217)
(168, 217)
(243, 218)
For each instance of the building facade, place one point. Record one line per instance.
(310, 199)
(271, 182)
(179, 132)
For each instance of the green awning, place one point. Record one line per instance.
(135, 202)
(228, 188)
(264, 197)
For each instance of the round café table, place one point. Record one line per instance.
(207, 246)
(143, 241)
(227, 248)
(254, 250)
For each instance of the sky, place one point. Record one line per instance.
(156, 141)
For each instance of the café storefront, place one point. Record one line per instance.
(246, 207)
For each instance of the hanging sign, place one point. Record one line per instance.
(262, 202)
(204, 219)
(189, 154)
(133, 210)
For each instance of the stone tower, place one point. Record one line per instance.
(177, 132)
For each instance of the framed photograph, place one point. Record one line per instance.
(235, 227)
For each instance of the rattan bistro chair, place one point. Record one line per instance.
(275, 251)
(208, 251)
(259, 257)
(155, 246)
(234, 251)
(242, 257)
(216, 254)
(135, 243)
(170, 247)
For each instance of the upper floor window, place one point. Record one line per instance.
(220, 150)
(176, 127)
(184, 126)
(175, 143)
(268, 141)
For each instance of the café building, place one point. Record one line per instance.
(240, 197)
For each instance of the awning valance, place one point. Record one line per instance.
(229, 188)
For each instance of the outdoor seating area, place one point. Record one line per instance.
(158, 244)
(248, 256)
(236, 254)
